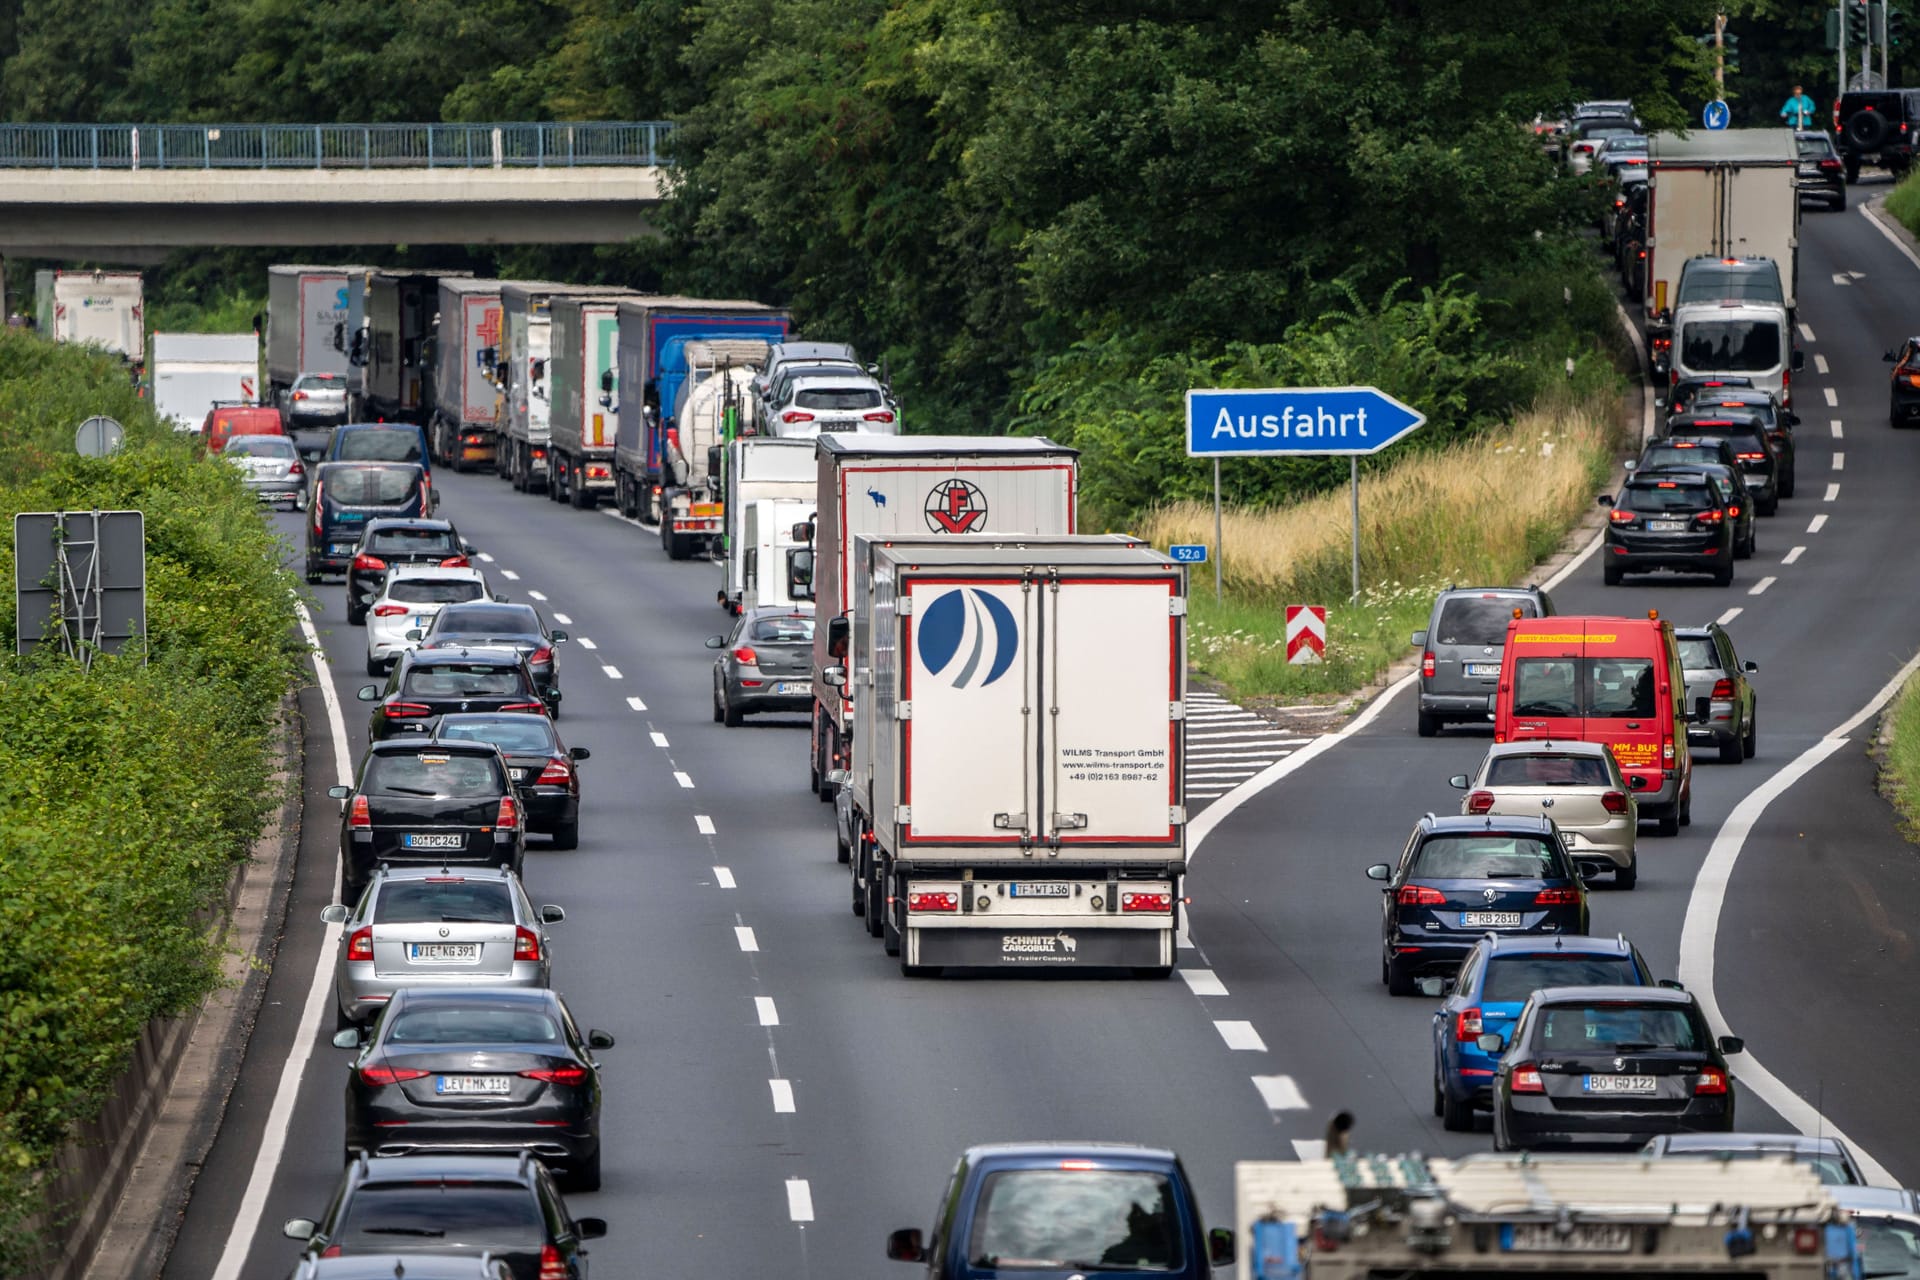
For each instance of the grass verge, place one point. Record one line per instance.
(1900, 762)
(1904, 202)
(1482, 511)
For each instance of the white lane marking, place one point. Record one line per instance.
(1893, 240)
(613, 673)
(510, 575)
(799, 1200)
(1760, 586)
(1818, 523)
(1819, 363)
(769, 1016)
(659, 739)
(636, 704)
(1730, 615)
(563, 619)
(683, 779)
(1280, 1093)
(585, 643)
(1309, 1148)
(1240, 1036)
(1840, 277)
(723, 876)
(1839, 432)
(484, 556)
(1833, 492)
(538, 595)
(1792, 555)
(743, 934)
(703, 823)
(1839, 462)
(273, 1138)
(782, 1096)
(1857, 275)
(1236, 735)
(1700, 930)
(1806, 333)
(1203, 982)
(1833, 397)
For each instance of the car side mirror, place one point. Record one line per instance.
(1419, 640)
(1459, 781)
(552, 697)
(906, 1245)
(558, 637)
(1431, 986)
(416, 633)
(1890, 358)
(1673, 984)
(1799, 361)
(606, 380)
(334, 913)
(347, 1039)
(802, 532)
(590, 1228)
(1732, 1044)
(466, 548)
(1751, 668)
(368, 692)
(839, 632)
(581, 753)
(599, 1040)
(1792, 418)
(1605, 499)
(834, 677)
(551, 914)
(1220, 1246)
(339, 793)
(1379, 871)
(716, 642)
(1702, 710)
(299, 1228)
(1492, 1042)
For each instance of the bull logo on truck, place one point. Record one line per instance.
(956, 506)
(968, 638)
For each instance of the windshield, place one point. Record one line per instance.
(259, 447)
(1609, 1028)
(1081, 1219)
(837, 398)
(1486, 857)
(521, 735)
(499, 620)
(1511, 979)
(472, 1024)
(1719, 283)
(432, 774)
(433, 590)
(785, 629)
(1548, 771)
(444, 900)
(381, 1217)
(1480, 621)
(371, 486)
(1721, 345)
(380, 446)
(452, 680)
(413, 542)
(1619, 687)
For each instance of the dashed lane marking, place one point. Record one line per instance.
(1240, 1036)
(1280, 1093)
(743, 934)
(1833, 492)
(703, 823)
(585, 643)
(659, 739)
(487, 558)
(1730, 615)
(510, 575)
(799, 1200)
(723, 876)
(782, 1096)
(1818, 523)
(1760, 586)
(1806, 334)
(613, 673)
(1839, 433)
(563, 619)
(1833, 397)
(763, 1006)
(1839, 462)
(1203, 982)
(537, 595)
(1840, 277)
(683, 780)
(1819, 363)
(1793, 555)
(636, 704)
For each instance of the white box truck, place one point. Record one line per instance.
(307, 322)
(526, 317)
(465, 412)
(776, 567)
(761, 469)
(104, 309)
(1020, 709)
(1727, 194)
(878, 484)
(192, 372)
(585, 335)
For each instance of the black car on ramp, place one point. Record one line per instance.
(386, 543)
(496, 624)
(426, 684)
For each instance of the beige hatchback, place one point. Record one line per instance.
(1577, 784)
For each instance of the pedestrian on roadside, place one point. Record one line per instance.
(1798, 113)
(1339, 1134)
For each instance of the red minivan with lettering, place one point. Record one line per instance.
(1612, 680)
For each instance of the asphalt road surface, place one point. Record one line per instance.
(781, 1097)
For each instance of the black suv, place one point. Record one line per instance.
(428, 803)
(429, 683)
(1903, 404)
(1669, 520)
(1746, 428)
(504, 1206)
(386, 543)
(1878, 127)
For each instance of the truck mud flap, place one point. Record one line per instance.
(1017, 948)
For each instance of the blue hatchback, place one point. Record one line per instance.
(1495, 980)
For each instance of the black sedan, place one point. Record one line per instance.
(545, 771)
(428, 803)
(386, 543)
(1669, 520)
(1748, 429)
(515, 626)
(1463, 877)
(479, 1071)
(766, 663)
(1596, 1064)
(429, 683)
(1673, 455)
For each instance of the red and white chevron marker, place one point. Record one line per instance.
(1306, 633)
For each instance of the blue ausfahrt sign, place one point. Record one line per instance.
(1188, 552)
(1300, 421)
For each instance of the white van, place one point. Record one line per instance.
(1751, 339)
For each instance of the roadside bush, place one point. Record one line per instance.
(128, 792)
(1904, 203)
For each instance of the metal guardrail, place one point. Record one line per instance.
(332, 146)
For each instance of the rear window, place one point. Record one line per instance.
(1668, 495)
(499, 621)
(438, 774)
(384, 1216)
(371, 486)
(1716, 283)
(1479, 620)
(1489, 856)
(320, 382)
(1730, 344)
(1832, 1172)
(380, 446)
(1679, 458)
(463, 680)
(472, 1024)
(519, 735)
(1080, 1220)
(1815, 148)
(837, 398)
(1611, 687)
(1613, 1028)
(434, 590)
(789, 629)
(444, 901)
(1890, 1246)
(259, 447)
(1743, 436)
(1698, 655)
(1548, 771)
(1511, 979)
(413, 542)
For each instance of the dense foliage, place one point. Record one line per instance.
(127, 792)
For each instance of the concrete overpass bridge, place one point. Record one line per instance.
(130, 193)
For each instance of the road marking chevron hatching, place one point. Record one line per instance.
(1227, 744)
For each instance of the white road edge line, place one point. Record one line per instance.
(782, 1096)
(1760, 586)
(799, 1200)
(1730, 615)
(273, 1136)
(703, 823)
(1792, 555)
(1893, 240)
(1700, 930)
(769, 1016)
(723, 876)
(1818, 523)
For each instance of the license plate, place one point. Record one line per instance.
(443, 951)
(1585, 1237)
(1618, 1084)
(423, 620)
(342, 548)
(794, 686)
(1043, 889)
(1483, 668)
(1666, 526)
(472, 1084)
(1489, 919)
(521, 775)
(434, 840)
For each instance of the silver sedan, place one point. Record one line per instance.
(270, 467)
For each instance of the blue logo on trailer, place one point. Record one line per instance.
(968, 637)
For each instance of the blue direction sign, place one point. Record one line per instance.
(1294, 420)
(1188, 552)
(1716, 115)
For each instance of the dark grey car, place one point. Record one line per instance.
(1461, 648)
(1715, 672)
(766, 663)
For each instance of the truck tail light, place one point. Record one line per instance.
(364, 563)
(1419, 895)
(1426, 665)
(1466, 1026)
(1556, 898)
(360, 943)
(1722, 689)
(1666, 751)
(1614, 802)
(526, 944)
(1710, 1082)
(1146, 902)
(1806, 1240)
(359, 816)
(933, 902)
(1526, 1079)
(1480, 802)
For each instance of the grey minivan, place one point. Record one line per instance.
(1461, 648)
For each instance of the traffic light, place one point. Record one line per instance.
(1896, 26)
(1857, 21)
(1833, 28)
(1877, 22)
(1731, 50)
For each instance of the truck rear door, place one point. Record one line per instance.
(1761, 219)
(1683, 220)
(599, 339)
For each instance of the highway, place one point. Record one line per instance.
(782, 1097)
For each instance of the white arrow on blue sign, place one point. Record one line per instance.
(1300, 421)
(1716, 115)
(1188, 552)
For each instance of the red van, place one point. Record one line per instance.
(1612, 680)
(226, 421)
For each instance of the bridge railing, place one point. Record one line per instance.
(332, 146)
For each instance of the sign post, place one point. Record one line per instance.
(1299, 422)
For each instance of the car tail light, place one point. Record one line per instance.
(1750, 457)
(319, 487)
(572, 1073)
(558, 773)
(1419, 895)
(1480, 802)
(1466, 1026)
(508, 816)
(1723, 688)
(368, 564)
(299, 395)
(1614, 802)
(1830, 166)
(1556, 898)
(1526, 1079)
(296, 469)
(1426, 665)
(883, 415)
(533, 708)
(360, 943)
(1912, 379)
(1617, 516)
(359, 815)
(383, 1074)
(1666, 752)
(746, 654)
(543, 654)
(1146, 902)
(456, 562)
(552, 1265)
(526, 944)
(1710, 1081)
(1714, 516)
(407, 711)
(388, 610)
(1733, 512)
(933, 902)
(795, 415)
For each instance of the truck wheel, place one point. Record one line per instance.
(889, 913)
(678, 546)
(576, 492)
(876, 912)
(629, 501)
